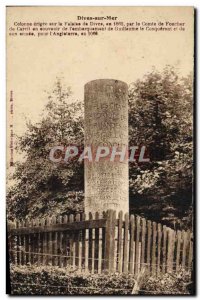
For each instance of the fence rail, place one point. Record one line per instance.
(97, 243)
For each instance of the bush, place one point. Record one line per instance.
(49, 280)
(169, 283)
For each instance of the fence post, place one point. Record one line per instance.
(137, 246)
(190, 257)
(164, 249)
(109, 240)
(125, 241)
(149, 245)
(112, 250)
(143, 243)
(132, 244)
(154, 242)
(159, 248)
(27, 237)
(119, 250)
(170, 251)
(77, 244)
(71, 244)
(178, 250)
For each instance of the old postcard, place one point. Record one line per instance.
(100, 150)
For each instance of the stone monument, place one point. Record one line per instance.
(106, 124)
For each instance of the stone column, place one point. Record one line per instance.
(106, 124)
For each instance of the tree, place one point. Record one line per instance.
(41, 186)
(160, 117)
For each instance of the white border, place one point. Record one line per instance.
(3, 4)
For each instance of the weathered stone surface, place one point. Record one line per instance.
(106, 123)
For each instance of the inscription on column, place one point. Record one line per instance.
(106, 123)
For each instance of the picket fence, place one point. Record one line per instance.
(106, 243)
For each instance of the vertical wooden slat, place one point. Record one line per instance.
(54, 244)
(23, 255)
(125, 251)
(83, 217)
(44, 244)
(93, 250)
(65, 243)
(164, 250)
(27, 260)
(86, 265)
(190, 255)
(132, 244)
(188, 248)
(38, 243)
(77, 243)
(96, 254)
(154, 248)
(72, 252)
(143, 242)
(107, 240)
(50, 244)
(183, 235)
(119, 248)
(31, 244)
(149, 245)
(60, 244)
(100, 251)
(170, 250)
(110, 240)
(35, 244)
(159, 247)
(116, 245)
(112, 267)
(137, 245)
(104, 214)
(186, 240)
(169, 239)
(178, 248)
(22, 246)
(41, 243)
(80, 251)
(90, 259)
(25, 244)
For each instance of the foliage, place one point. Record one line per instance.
(42, 187)
(62, 281)
(160, 117)
(169, 284)
(49, 280)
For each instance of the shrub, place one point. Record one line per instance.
(49, 280)
(169, 283)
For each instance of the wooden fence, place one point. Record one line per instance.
(108, 243)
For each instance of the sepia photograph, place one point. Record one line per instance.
(100, 150)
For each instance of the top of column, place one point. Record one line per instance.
(103, 82)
